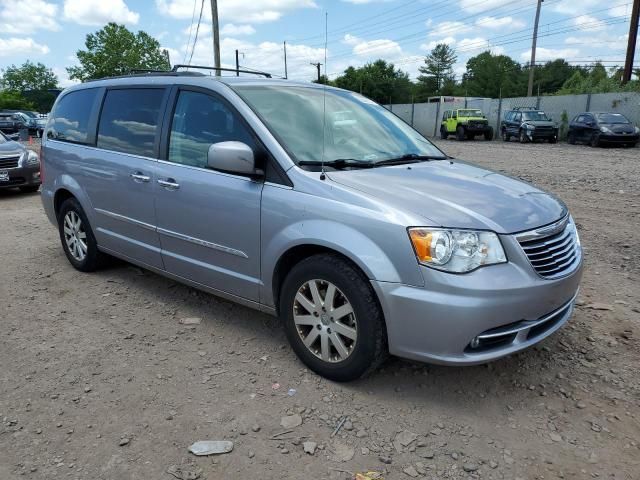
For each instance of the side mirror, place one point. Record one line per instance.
(232, 157)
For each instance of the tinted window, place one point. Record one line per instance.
(200, 120)
(70, 119)
(129, 120)
(612, 118)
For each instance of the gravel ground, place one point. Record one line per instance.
(100, 380)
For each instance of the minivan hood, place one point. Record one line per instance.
(457, 195)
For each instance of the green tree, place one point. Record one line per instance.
(437, 77)
(115, 50)
(597, 80)
(379, 80)
(14, 101)
(551, 76)
(488, 75)
(28, 76)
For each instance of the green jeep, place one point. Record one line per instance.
(465, 123)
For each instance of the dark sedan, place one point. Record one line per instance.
(598, 129)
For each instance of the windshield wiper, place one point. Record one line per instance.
(408, 158)
(338, 163)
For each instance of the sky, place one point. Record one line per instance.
(359, 31)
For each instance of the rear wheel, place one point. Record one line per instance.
(488, 135)
(332, 318)
(460, 133)
(443, 133)
(505, 136)
(571, 138)
(77, 238)
(595, 140)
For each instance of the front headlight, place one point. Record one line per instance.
(605, 130)
(637, 130)
(31, 158)
(457, 251)
(530, 127)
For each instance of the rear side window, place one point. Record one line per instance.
(70, 118)
(199, 121)
(129, 120)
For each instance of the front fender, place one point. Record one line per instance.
(342, 238)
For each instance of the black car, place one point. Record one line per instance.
(527, 125)
(601, 128)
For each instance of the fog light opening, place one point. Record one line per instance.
(475, 343)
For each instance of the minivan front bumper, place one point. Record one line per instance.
(473, 318)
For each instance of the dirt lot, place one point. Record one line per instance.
(99, 380)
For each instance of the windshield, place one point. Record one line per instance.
(612, 118)
(534, 116)
(469, 113)
(356, 128)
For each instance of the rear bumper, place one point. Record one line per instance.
(506, 308)
(22, 177)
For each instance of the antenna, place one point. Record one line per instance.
(324, 97)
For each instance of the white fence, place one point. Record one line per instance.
(426, 117)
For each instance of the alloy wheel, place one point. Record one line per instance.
(325, 321)
(75, 236)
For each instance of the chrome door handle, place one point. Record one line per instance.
(169, 184)
(140, 177)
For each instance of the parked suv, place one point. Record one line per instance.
(367, 242)
(528, 124)
(598, 129)
(465, 123)
(19, 167)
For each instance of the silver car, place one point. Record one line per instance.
(314, 204)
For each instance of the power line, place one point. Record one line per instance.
(193, 17)
(195, 40)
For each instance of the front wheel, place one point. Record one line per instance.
(332, 318)
(505, 136)
(595, 140)
(488, 134)
(460, 134)
(523, 137)
(77, 238)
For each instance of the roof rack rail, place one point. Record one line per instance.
(221, 69)
(525, 108)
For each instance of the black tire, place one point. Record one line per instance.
(522, 137)
(595, 140)
(93, 258)
(370, 348)
(488, 134)
(443, 133)
(571, 139)
(505, 136)
(460, 133)
(29, 188)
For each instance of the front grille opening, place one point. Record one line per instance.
(554, 255)
(9, 162)
(487, 344)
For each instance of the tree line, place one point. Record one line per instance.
(486, 75)
(115, 50)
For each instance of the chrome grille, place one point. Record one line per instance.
(9, 162)
(553, 251)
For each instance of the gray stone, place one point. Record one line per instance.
(291, 421)
(310, 447)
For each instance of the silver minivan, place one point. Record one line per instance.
(314, 204)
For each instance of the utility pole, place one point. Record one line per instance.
(317, 65)
(631, 46)
(532, 63)
(216, 35)
(285, 61)
(237, 63)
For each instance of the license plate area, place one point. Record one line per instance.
(4, 175)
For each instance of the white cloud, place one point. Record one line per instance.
(473, 44)
(371, 48)
(432, 44)
(99, 12)
(589, 23)
(41, 16)
(22, 47)
(474, 6)
(231, 29)
(63, 77)
(501, 22)
(545, 54)
(620, 11)
(245, 11)
(446, 28)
